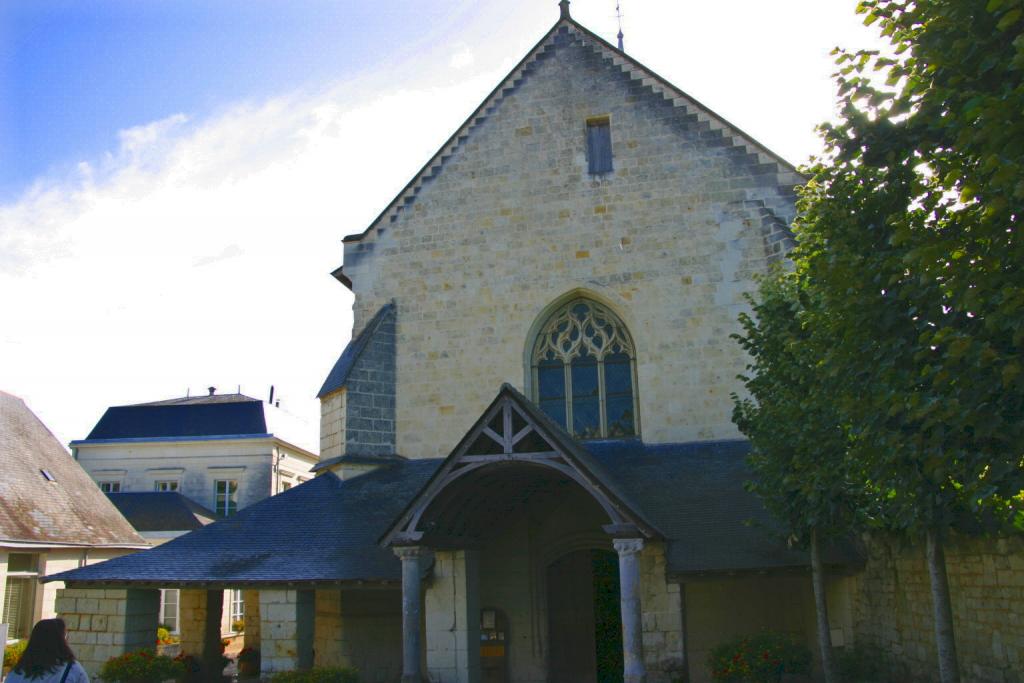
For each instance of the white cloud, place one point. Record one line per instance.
(198, 252)
(462, 59)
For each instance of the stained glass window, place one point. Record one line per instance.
(583, 371)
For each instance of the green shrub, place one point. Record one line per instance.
(12, 653)
(321, 675)
(761, 658)
(238, 625)
(143, 665)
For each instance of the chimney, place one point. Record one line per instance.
(212, 390)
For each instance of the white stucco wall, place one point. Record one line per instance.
(196, 465)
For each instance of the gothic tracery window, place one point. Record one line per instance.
(583, 371)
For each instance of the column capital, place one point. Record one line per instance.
(410, 552)
(628, 546)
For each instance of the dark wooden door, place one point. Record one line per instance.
(571, 620)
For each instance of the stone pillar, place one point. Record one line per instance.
(453, 618)
(252, 618)
(664, 639)
(327, 631)
(286, 630)
(412, 641)
(632, 623)
(105, 623)
(199, 616)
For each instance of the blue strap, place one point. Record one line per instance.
(67, 670)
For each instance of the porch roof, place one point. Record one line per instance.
(322, 531)
(694, 493)
(326, 530)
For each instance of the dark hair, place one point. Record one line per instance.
(47, 649)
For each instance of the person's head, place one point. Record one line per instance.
(47, 649)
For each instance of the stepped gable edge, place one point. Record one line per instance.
(787, 175)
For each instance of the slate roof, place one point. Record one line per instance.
(161, 511)
(68, 510)
(346, 361)
(324, 530)
(694, 494)
(162, 420)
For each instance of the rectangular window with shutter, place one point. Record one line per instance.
(599, 145)
(20, 593)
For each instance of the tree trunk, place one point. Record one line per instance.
(828, 664)
(945, 642)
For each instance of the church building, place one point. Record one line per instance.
(529, 471)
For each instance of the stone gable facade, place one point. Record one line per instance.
(510, 223)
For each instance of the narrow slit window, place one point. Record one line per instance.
(599, 145)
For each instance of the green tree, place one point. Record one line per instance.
(909, 237)
(799, 446)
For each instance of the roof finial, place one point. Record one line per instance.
(618, 15)
(563, 8)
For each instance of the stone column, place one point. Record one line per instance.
(629, 597)
(252, 618)
(104, 623)
(453, 618)
(199, 615)
(412, 640)
(286, 630)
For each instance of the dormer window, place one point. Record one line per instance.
(599, 145)
(584, 372)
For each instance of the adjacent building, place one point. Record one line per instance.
(222, 451)
(175, 465)
(52, 518)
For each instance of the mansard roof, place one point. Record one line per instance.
(182, 420)
(567, 28)
(339, 374)
(46, 498)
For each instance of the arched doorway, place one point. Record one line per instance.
(584, 619)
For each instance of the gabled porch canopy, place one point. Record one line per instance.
(512, 454)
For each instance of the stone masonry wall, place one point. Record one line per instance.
(662, 617)
(370, 403)
(893, 609)
(360, 629)
(287, 622)
(105, 623)
(670, 240)
(332, 424)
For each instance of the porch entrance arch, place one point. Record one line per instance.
(516, 464)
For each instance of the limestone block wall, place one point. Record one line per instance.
(362, 630)
(332, 424)
(452, 616)
(670, 240)
(286, 629)
(662, 617)
(893, 608)
(104, 623)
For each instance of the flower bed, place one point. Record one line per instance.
(762, 658)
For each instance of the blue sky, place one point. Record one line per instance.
(176, 177)
(74, 73)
